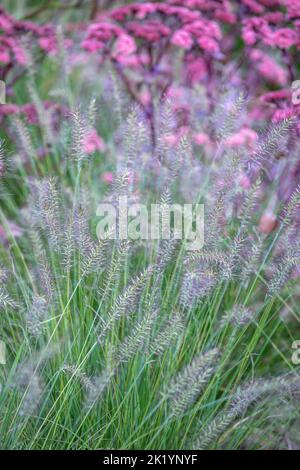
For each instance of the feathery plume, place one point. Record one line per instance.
(2, 158)
(282, 273)
(248, 205)
(239, 316)
(165, 129)
(92, 110)
(68, 246)
(78, 133)
(84, 379)
(137, 339)
(228, 113)
(196, 285)
(134, 137)
(43, 114)
(96, 258)
(171, 331)
(239, 403)
(45, 277)
(292, 205)
(97, 387)
(80, 219)
(126, 301)
(28, 381)
(6, 301)
(116, 266)
(234, 259)
(3, 274)
(48, 210)
(36, 314)
(267, 147)
(252, 260)
(25, 139)
(188, 384)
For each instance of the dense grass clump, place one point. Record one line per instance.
(144, 344)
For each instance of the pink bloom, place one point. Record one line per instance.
(93, 142)
(267, 222)
(48, 44)
(274, 17)
(245, 136)
(182, 39)
(201, 138)
(30, 112)
(293, 8)
(283, 94)
(145, 9)
(107, 177)
(124, 45)
(20, 54)
(196, 69)
(255, 28)
(268, 67)
(5, 23)
(249, 37)
(281, 114)
(225, 16)
(171, 140)
(245, 182)
(4, 55)
(254, 6)
(145, 97)
(175, 92)
(284, 38)
(92, 45)
(208, 44)
(9, 108)
(131, 61)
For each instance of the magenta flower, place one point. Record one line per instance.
(124, 46)
(282, 94)
(93, 142)
(245, 182)
(245, 136)
(208, 44)
(285, 38)
(254, 6)
(267, 222)
(182, 39)
(268, 67)
(201, 138)
(293, 8)
(4, 54)
(92, 45)
(281, 114)
(107, 177)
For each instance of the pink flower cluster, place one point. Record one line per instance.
(128, 29)
(11, 49)
(93, 142)
(274, 23)
(12, 31)
(143, 36)
(222, 10)
(277, 25)
(28, 111)
(268, 68)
